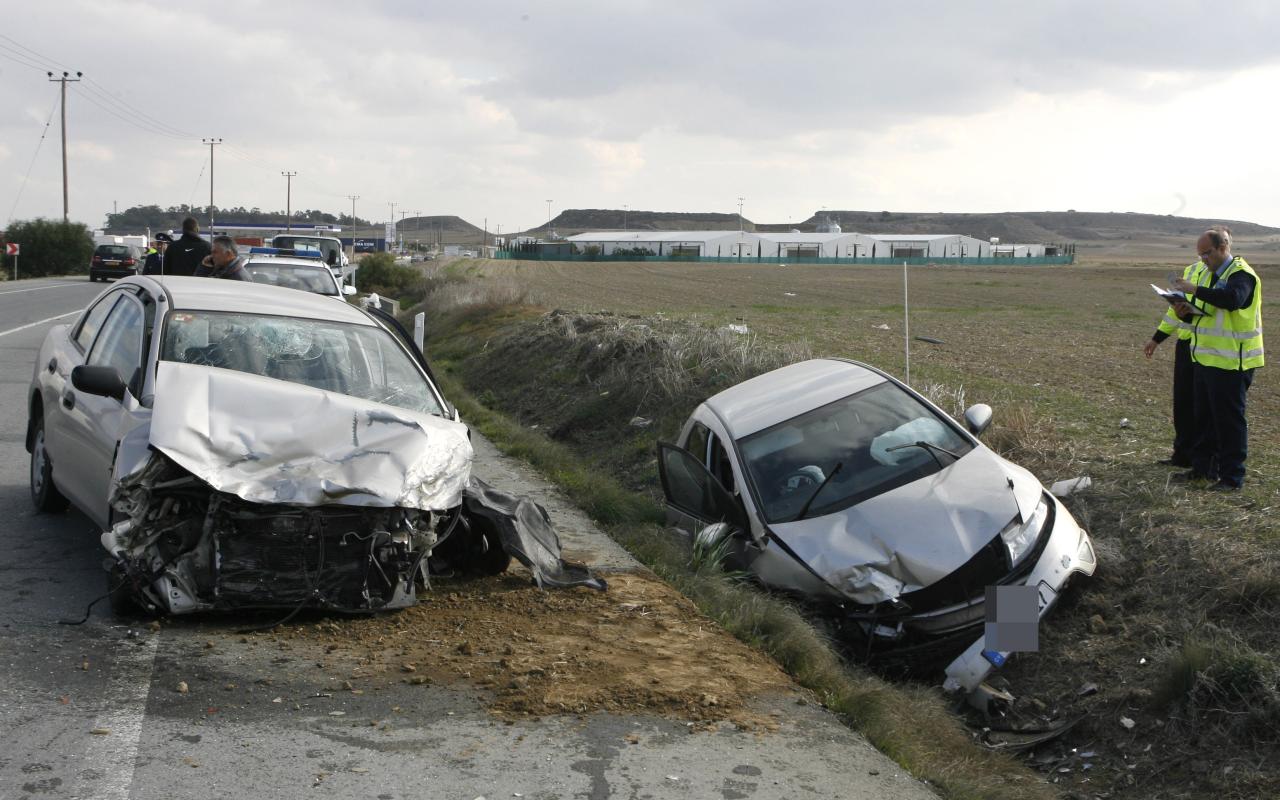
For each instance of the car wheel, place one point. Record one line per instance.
(44, 494)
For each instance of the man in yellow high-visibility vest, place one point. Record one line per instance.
(1177, 319)
(1226, 348)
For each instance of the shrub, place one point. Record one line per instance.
(380, 273)
(50, 248)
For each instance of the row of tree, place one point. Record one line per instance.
(48, 248)
(139, 219)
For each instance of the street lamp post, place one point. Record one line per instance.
(548, 220)
(740, 199)
(288, 200)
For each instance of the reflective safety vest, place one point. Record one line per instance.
(1199, 274)
(1230, 339)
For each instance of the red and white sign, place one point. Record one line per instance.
(11, 249)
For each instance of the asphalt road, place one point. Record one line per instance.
(92, 711)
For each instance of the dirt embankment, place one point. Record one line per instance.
(640, 647)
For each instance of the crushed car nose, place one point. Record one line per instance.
(184, 547)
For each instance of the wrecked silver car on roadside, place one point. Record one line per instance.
(247, 446)
(837, 484)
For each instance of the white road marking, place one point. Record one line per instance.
(115, 755)
(38, 288)
(38, 322)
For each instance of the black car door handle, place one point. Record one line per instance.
(68, 399)
(53, 364)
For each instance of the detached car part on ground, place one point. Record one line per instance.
(835, 483)
(249, 446)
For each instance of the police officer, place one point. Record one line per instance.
(1226, 348)
(1177, 319)
(154, 265)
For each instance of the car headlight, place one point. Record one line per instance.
(1020, 536)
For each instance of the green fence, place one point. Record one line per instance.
(991, 262)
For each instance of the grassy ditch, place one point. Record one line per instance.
(1177, 630)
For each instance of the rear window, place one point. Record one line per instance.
(112, 250)
(315, 279)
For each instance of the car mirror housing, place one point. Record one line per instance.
(977, 417)
(100, 381)
(348, 289)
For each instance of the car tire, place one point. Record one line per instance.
(44, 494)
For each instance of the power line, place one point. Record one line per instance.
(125, 118)
(23, 186)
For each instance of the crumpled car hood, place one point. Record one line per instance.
(913, 536)
(268, 441)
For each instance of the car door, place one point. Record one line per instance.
(92, 424)
(694, 495)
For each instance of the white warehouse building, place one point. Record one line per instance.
(817, 245)
(944, 245)
(674, 243)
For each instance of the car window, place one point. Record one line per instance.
(113, 251)
(357, 360)
(92, 321)
(317, 279)
(718, 463)
(120, 343)
(688, 485)
(881, 438)
(697, 441)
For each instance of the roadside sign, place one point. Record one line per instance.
(11, 248)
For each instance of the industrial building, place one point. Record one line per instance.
(705, 244)
(945, 245)
(837, 244)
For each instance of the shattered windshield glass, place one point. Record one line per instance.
(315, 279)
(356, 360)
(873, 435)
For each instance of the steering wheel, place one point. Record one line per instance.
(808, 476)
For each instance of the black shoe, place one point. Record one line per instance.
(1190, 476)
(1175, 461)
(1223, 486)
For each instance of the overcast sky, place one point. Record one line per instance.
(489, 109)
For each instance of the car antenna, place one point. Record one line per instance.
(821, 486)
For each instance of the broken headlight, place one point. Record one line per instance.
(1020, 536)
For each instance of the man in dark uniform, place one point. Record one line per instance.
(185, 255)
(1177, 320)
(155, 255)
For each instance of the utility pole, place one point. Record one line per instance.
(211, 142)
(353, 198)
(392, 243)
(548, 220)
(417, 228)
(64, 80)
(288, 200)
(740, 199)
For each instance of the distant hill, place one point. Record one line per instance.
(579, 220)
(1102, 232)
(444, 229)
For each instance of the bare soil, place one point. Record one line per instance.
(640, 647)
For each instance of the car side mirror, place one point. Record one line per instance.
(100, 381)
(348, 289)
(977, 417)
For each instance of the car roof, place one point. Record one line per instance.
(785, 393)
(288, 261)
(214, 294)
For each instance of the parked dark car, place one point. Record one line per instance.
(114, 261)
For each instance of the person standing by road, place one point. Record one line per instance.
(154, 265)
(1226, 348)
(224, 262)
(184, 255)
(1177, 319)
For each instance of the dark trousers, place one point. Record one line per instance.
(1184, 404)
(1223, 441)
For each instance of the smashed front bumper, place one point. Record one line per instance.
(183, 547)
(1068, 552)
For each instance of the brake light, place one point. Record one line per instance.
(128, 262)
(97, 259)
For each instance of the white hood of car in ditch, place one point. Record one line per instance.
(268, 441)
(917, 534)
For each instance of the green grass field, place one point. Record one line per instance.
(1177, 630)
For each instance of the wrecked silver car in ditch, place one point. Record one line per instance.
(835, 483)
(248, 446)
